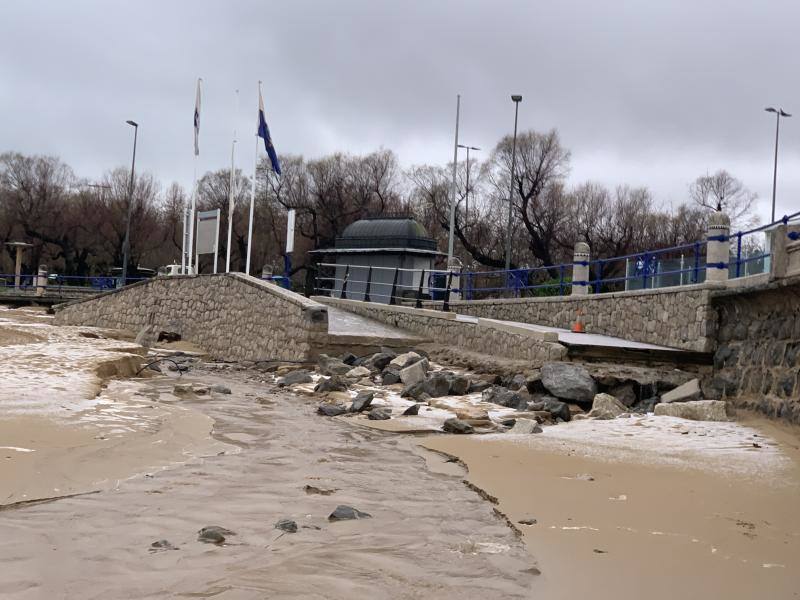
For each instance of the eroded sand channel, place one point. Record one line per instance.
(429, 535)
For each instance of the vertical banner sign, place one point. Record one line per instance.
(207, 231)
(290, 232)
(207, 235)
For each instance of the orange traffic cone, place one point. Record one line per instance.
(577, 326)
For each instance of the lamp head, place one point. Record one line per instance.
(516, 98)
(770, 109)
(783, 113)
(134, 123)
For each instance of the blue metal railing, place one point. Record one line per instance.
(664, 267)
(60, 284)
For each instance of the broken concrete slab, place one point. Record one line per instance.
(695, 410)
(683, 393)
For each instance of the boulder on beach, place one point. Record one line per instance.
(331, 410)
(379, 413)
(287, 525)
(457, 426)
(437, 385)
(214, 534)
(390, 376)
(502, 396)
(362, 401)
(405, 360)
(411, 411)
(358, 373)
(330, 384)
(606, 406)
(379, 360)
(295, 377)
(568, 381)
(554, 406)
(695, 410)
(459, 385)
(329, 365)
(525, 426)
(347, 513)
(414, 373)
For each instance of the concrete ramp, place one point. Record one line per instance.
(350, 332)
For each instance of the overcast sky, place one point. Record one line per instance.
(642, 92)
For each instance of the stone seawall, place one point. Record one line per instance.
(757, 360)
(677, 317)
(232, 316)
(445, 328)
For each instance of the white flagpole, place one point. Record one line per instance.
(252, 196)
(193, 219)
(231, 195)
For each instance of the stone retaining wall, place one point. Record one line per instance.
(757, 361)
(231, 316)
(677, 317)
(444, 328)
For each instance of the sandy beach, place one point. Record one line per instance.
(611, 520)
(99, 464)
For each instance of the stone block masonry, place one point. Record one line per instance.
(232, 316)
(757, 360)
(444, 328)
(677, 317)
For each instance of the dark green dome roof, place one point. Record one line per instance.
(385, 232)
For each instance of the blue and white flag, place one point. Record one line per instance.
(263, 132)
(197, 121)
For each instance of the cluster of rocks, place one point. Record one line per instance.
(215, 534)
(556, 392)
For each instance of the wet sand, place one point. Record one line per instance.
(609, 525)
(429, 535)
(69, 420)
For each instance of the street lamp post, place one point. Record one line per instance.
(516, 99)
(779, 112)
(126, 245)
(453, 189)
(467, 148)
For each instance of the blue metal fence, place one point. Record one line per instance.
(684, 264)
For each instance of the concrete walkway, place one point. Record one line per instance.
(577, 339)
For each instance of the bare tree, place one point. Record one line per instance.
(722, 191)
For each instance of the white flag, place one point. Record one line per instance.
(197, 120)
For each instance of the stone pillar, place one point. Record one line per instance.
(580, 269)
(718, 248)
(776, 246)
(18, 268)
(41, 280)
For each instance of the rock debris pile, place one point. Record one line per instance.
(389, 385)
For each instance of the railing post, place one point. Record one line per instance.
(718, 247)
(738, 253)
(598, 276)
(696, 274)
(580, 269)
(418, 303)
(446, 303)
(561, 280)
(369, 280)
(394, 287)
(645, 269)
(343, 292)
(469, 285)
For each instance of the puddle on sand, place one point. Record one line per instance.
(429, 535)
